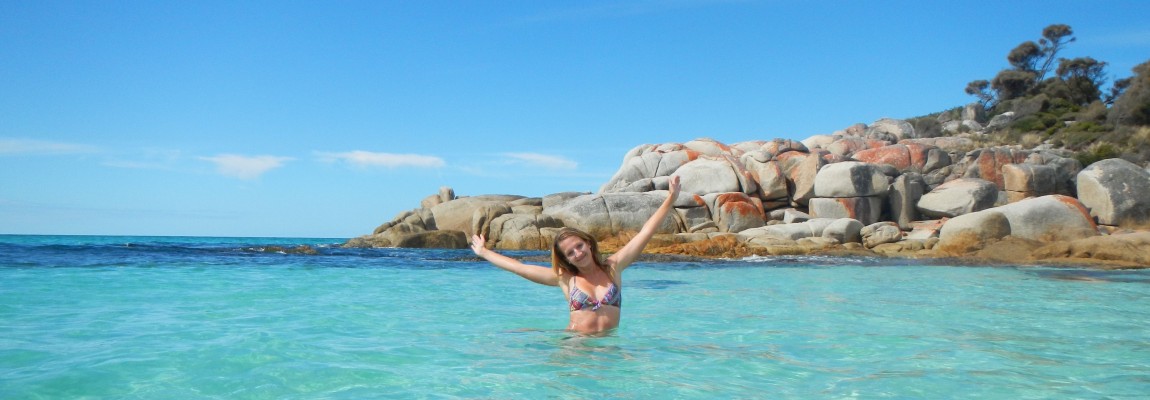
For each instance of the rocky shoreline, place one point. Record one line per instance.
(868, 190)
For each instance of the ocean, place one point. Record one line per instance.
(117, 317)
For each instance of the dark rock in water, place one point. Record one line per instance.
(301, 249)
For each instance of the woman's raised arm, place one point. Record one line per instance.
(538, 274)
(623, 258)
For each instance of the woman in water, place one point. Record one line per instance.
(592, 285)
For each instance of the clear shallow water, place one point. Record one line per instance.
(143, 317)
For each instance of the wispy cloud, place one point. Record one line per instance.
(17, 146)
(362, 158)
(523, 165)
(245, 167)
(542, 161)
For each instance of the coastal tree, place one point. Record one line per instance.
(1117, 89)
(1011, 84)
(981, 89)
(1030, 62)
(1132, 107)
(1025, 57)
(1082, 79)
(1054, 38)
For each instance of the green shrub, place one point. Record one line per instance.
(1087, 126)
(1029, 123)
(1078, 139)
(1036, 122)
(1060, 106)
(1097, 152)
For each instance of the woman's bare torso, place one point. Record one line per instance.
(595, 321)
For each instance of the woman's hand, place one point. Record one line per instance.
(477, 245)
(674, 187)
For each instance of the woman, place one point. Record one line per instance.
(592, 285)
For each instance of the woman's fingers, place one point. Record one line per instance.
(477, 243)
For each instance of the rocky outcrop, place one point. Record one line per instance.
(841, 230)
(800, 170)
(1000, 120)
(1027, 180)
(1127, 249)
(890, 129)
(1116, 192)
(865, 209)
(862, 190)
(973, 231)
(850, 179)
(767, 175)
(880, 233)
(646, 162)
(735, 212)
(459, 214)
(987, 163)
(1066, 169)
(848, 146)
(605, 214)
(523, 231)
(1048, 218)
(905, 193)
(849, 190)
(906, 157)
(958, 197)
(714, 175)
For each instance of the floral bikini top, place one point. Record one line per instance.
(581, 300)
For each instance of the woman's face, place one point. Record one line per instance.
(576, 251)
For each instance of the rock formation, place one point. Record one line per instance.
(877, 189)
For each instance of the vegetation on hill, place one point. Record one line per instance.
(1067, 110)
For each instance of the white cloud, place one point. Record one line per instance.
(43, 147)
(245, 167)
(372, 159)
(543, 161)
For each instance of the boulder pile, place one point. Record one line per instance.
(867, 189)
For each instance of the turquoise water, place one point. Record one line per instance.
(188, 318)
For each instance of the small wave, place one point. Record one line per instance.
(657, 284)
(817, 260)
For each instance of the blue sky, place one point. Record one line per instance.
(325, 119)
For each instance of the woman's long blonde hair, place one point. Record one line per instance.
(559, 262)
